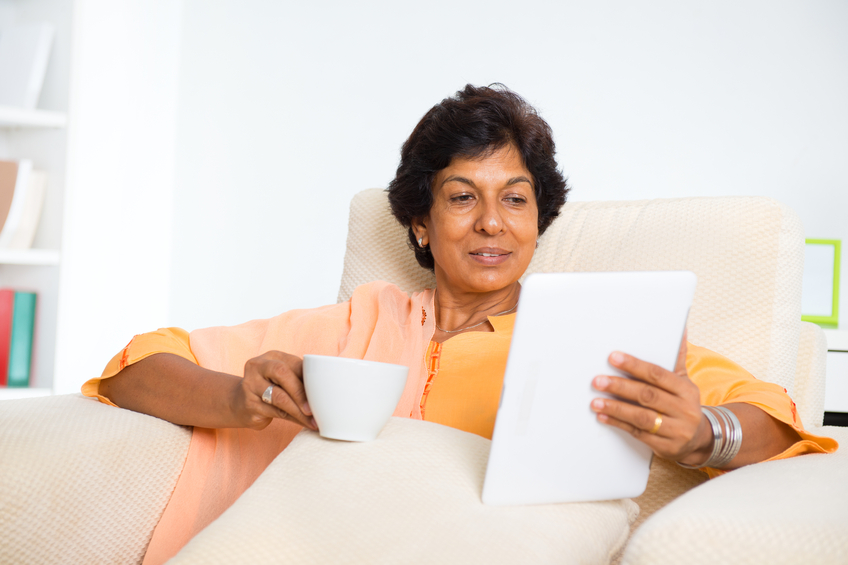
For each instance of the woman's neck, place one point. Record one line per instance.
(468, 311)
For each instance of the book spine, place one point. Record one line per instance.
(7, 306)
(16, 210)
(20, 352)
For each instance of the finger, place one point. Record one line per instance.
(680, 365)
(642, 419)
(284, 404)
(270, 411)
(648, 372)
(309, 424)
(642, 393)
(292, 385)
(289, 369)
(667, 448)
(659, 444)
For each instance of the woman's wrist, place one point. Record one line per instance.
(703, 442)
(725, 438)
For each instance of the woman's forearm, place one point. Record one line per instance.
(175, 389)
(763, 437)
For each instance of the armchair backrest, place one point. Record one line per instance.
(747, 252)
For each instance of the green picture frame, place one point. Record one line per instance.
(831, 321)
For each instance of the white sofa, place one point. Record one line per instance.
(81, 482)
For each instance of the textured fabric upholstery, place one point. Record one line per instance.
(378, 248)
(411, 496)
(83, 482)
(792, 511)
(810, 375)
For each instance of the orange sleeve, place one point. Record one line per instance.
(163, 340)
(721, 381)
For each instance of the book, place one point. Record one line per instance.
(8, 179)
(24, 52)
(21, 201)
(7, 303)
(20, 347)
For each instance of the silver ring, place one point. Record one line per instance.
(266, 396)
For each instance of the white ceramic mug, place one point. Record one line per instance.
(352, 399)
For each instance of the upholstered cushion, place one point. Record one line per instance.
(411, 496)
(789, 511)
(83, 482)
(666, 482)
(810, 375)
(745, 307)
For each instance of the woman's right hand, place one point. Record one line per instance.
(288, 399)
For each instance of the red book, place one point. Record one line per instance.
(7, 303)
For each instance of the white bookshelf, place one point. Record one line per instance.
(836, 386)
(109, 100)
(30, 257)
(41, 136)
(837, 340)
(22, 118)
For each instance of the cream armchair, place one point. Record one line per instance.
(82, 482)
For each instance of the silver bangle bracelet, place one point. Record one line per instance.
(734, 436)
(721, 458)
(727, 437)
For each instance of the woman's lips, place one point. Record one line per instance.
(490, 256)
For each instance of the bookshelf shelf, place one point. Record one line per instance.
(23, 392)
(34, 257)
(11, 117)
(837, 340)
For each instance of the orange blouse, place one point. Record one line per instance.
(465, 378)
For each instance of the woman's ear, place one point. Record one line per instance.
(419, 228)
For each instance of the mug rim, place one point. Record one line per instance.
(361, 362)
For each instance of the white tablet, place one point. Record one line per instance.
(548, 445)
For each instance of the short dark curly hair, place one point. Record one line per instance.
(472, 124)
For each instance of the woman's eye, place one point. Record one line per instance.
(462, 198)
(517, 199)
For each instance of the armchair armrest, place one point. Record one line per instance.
(810, 375)
(83, 482)
(788, 511)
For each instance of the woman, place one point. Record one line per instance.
(476, 186)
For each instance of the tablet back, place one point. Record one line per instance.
(547, 445)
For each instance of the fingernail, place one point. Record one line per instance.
(617, 358)
(601, 382)
(314, 424)
(603, 417)
(306, 409)
(597, 404)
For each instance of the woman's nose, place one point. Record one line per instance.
(490, 220)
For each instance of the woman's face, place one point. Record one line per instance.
(483, 224)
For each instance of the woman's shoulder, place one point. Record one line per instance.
(386, 291)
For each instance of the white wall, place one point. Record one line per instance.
(287, 109)
(117, 225)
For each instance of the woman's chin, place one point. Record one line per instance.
(487, 285)
(478, 279)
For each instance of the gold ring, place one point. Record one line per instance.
(657, 424)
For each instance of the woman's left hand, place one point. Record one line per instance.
(666, 415)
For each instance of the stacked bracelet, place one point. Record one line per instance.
(727, 437)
